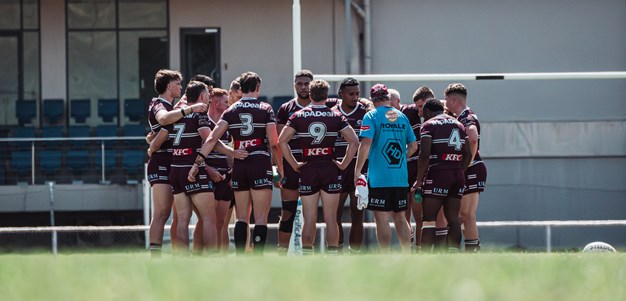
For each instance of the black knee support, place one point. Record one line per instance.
(286, 225)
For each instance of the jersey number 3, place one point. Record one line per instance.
(246, 124)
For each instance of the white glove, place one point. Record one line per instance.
(362, 193)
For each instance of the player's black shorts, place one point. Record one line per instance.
(180, 183)
(319, 175)
(347, 177)
(388, 199)
(412, 169)
(443, 183)
(223, 191)
(291, 178)
(159, 168)
(252, 174)
(475, 178)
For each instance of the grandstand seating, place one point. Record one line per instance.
(78, 161)
(80, 109)
(132, 161)
(25, 111)
(25, 132)
(134, 109)
(52, 132)
(107, 131)
(78, 131)
(110, 159)
(135, 130)
(53, 110)
(21, 162)
(50, 161)
(108, 109)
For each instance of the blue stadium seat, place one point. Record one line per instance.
(25, 111)
(78, 131)
(277, 101)
(50, 161)
(25, 132)
(21, 162)
(263, 98)
(78, 160)
(80, 109)
(53, 110)
(110, 159)
(108, 109)
(131, 130)
(107, 131)
(133, 161)
(52, 132)
(134, 109)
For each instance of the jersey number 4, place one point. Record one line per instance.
(455, 140)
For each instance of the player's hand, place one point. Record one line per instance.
(151, 135)
(417, 185)
(356, 178)
(199, 107)
(193, 172)
(240, 153)
(150, 152)
(342, 165)
(214, 175)
(298, 166)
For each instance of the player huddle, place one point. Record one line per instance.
(217, 149)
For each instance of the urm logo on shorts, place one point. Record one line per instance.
(393, 152)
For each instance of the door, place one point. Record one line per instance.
(11, 85)
(200, 53)
(152, 58)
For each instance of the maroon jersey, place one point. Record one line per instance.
(448, 136)
(354, 118)
(282, 117)
(411, 113)
(156, 105)
(467, 118)
(317, 128)
(246, 120)
(215, 159)
(186, 139)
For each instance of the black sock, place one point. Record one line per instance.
(241, 235)
(441, 238)
(472, 245)
(307, 250)
(332, 250)
(155, 250)
(428, 238)
(259, 235)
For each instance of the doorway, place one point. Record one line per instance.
(200, 53)
(11, 85)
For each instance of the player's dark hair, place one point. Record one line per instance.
(193, 91)
(433, 105)
(219, 92)
(348, 82)
(319, 90)
(423, 92)
(249, 81)
(163, 77)
(455, 88)
(234, 85)
(203, 79)
(304, 73)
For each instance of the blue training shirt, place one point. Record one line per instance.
(390, 132)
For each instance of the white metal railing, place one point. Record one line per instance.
(476, 76)
(548, 225)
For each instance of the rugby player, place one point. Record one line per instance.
(317, 127)
(252, 125)
(476, 174)
(444, 156)
(387, 139)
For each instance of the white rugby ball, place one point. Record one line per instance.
(598, 247)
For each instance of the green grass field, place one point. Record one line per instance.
(486, 276)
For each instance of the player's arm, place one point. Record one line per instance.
(367, 103)
(283, 142)
(158, 140)
(165, 118)
(213, 174)
(411, 148)
(362, 155)
(467, 154)
(349, 135)
(182, 102)
(272, 138)
(472, 135)
(207, 147)
(422, 161)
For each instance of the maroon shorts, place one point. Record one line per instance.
(412, 169)
(475, 178)
(159, 168)
(180, 184)
(442, 183)
(319, 175)
(252, 174)
(387, 199)
(291, 178)
(223, 191)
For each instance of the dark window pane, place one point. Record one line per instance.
(9, 84)
(143, 13)
(10, 14)
(30, 13)
(83, 14)
(30, 73)
(92, 71)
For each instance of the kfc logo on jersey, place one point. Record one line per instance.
(182, 152)
(247, 143)
(320, 151)
(452, 157)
